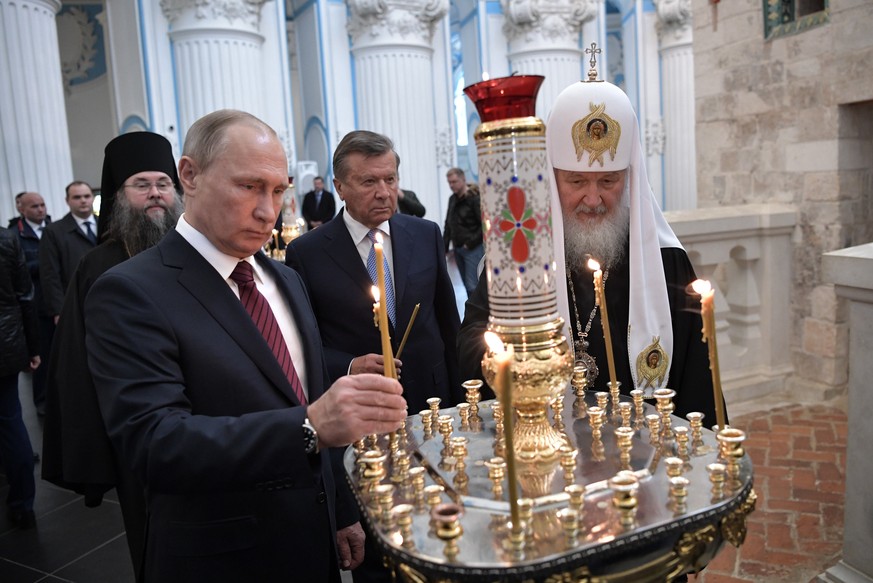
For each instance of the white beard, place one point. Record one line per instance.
(604, 240)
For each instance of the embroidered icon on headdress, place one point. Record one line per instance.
(652, 364)
(596, 133)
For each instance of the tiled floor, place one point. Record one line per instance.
(794, 534)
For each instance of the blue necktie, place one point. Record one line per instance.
(390, 304)
(90, 233)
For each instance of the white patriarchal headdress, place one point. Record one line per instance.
(593, 128)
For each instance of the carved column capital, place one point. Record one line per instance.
(374, 22)
(674, 18)
(227, 12)
(547, 20)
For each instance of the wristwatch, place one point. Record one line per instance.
(310, 438)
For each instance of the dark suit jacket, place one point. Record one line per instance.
(340, 290)
(62, 245)
(194, 400)
(323, 211)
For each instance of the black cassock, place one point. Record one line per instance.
(77, 453)
(690, 376)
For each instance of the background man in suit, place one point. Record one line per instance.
(318, 204)
(64, 243)
(333, 263)
(29, 228)
(212, 386)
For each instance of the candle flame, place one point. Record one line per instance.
(701, 286)
(375, 291)
(518, 283)
(485, 76)
(495, 344)
(275, 231)
(593, 265)
(379, 238)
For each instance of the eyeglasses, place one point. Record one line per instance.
(144, 186)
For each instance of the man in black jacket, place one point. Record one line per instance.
(463, 228)
(19, 348)
(318, 205)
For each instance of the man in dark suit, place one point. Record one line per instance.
(318, 205)
(408, 203)
(333, 263)
(29, 227)
(212, 385)
(64, 243)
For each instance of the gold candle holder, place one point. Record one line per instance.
(434, 404)
(568, 463)
(403, 519)
(730, 442)
(595, 420)
(679, 494)
(579, 380)
(372, 468)
(695, 421)
(447, 522)
(433, 494)
(625, 410)
(426, 422)
(639, 410)
(444, 422)
(624, 437)
(602, 398)
(474, 394)
(614, 395)
(717, 474)
(416, 479)
(569, 519)
(400, 465)
(674, 466)
(681, 435)
(653, 422)
(525, 515)
(496, 473)
(383, 496)
(624, 486)
(576, 492)
(464, 414)
(664, 400)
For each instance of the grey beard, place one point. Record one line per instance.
(605, 242)
(136, 229)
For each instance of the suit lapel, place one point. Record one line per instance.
(402, 243)
(343, 251)
(205, 284)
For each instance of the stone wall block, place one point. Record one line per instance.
(823, 338)
(821, 186)
(830, 371)
(825, 305)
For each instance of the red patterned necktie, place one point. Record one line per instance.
(258, 308)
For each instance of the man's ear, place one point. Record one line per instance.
(188, 173)
(337, 185)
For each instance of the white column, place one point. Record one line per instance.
(677, 63)
(218, 56)
(394, 90)
(35, 148)
(543, 39)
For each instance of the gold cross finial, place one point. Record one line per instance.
(592, 62)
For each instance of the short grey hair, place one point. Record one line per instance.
(366, 143)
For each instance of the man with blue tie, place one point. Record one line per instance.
(64, 243)
(338, 265)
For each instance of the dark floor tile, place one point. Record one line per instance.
(62, 536)
(14, 573)
(109, 563)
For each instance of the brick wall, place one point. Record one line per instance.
(791, 120)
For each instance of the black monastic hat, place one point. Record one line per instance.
(126, 155)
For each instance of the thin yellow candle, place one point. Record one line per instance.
(408, 328)
(600, 300)
(503, 357)
(707, 312)
(387, 352)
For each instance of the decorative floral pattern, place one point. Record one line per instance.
(518, 224)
